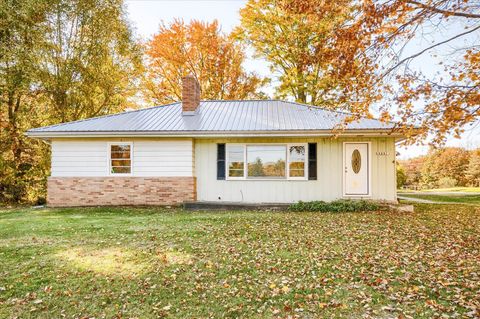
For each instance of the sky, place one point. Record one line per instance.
(146, 16)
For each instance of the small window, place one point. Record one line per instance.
(266, 161)
(236, 161)
(296, 161)
(120, 159)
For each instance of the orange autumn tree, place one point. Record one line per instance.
(360, 56)
(201, 49)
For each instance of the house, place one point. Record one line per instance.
(262, 151)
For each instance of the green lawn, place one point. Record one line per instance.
(447, 198)
(149, 263)
(440, 190)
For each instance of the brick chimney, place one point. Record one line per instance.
(190, 95)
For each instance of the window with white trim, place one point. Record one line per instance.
(120, 158)
(296, 161)
(266, 161)
(236, 161)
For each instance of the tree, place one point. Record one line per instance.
(413, 170)
(355, 53)
(92, 64)
(317, 55)
(450, 162)
(473, 169)
(21, 34)
(60, 60)
(256, 168)
(201, 49)
(439, 103)
(401, 176)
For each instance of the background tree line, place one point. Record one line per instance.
(441, 168)
(64, 60)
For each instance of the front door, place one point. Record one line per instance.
(356, 170)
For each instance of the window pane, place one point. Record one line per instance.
(120, 155)
(235, 172)
(266, 161)
(297, 161)
(125, 163)
(120, 148)
(297, 153)
(120, 162)
(121, 170)
(235, 160)
(297, 173)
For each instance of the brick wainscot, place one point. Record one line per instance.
(96, 191)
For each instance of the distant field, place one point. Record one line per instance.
(446, 198)
(442, 190)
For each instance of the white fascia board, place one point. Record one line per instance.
(349, 133)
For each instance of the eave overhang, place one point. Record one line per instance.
(216, 134)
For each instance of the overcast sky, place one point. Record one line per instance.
(146, 16)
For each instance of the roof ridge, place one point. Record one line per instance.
(240, 100)
(103, 116)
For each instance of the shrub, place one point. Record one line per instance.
(41, 200)
(340, 205)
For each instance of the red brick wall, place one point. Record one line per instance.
(111, 191)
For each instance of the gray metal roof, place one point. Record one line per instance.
(216, 117)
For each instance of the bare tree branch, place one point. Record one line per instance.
(445, 12)
(429, 48)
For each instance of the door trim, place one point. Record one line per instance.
(369, 173)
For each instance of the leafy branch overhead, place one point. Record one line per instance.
(365, 57)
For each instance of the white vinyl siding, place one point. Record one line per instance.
(151, 157)
(328, 186)
(163, 158)
(80, 158)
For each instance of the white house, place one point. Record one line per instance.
(262, 151)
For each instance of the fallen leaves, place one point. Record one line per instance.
(251, 264)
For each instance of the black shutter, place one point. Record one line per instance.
(312, 161)
(220, 161)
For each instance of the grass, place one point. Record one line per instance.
(150, 263)
(441, 190)
(447, 198)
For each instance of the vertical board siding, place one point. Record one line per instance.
(151, 157)
(329, 183)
